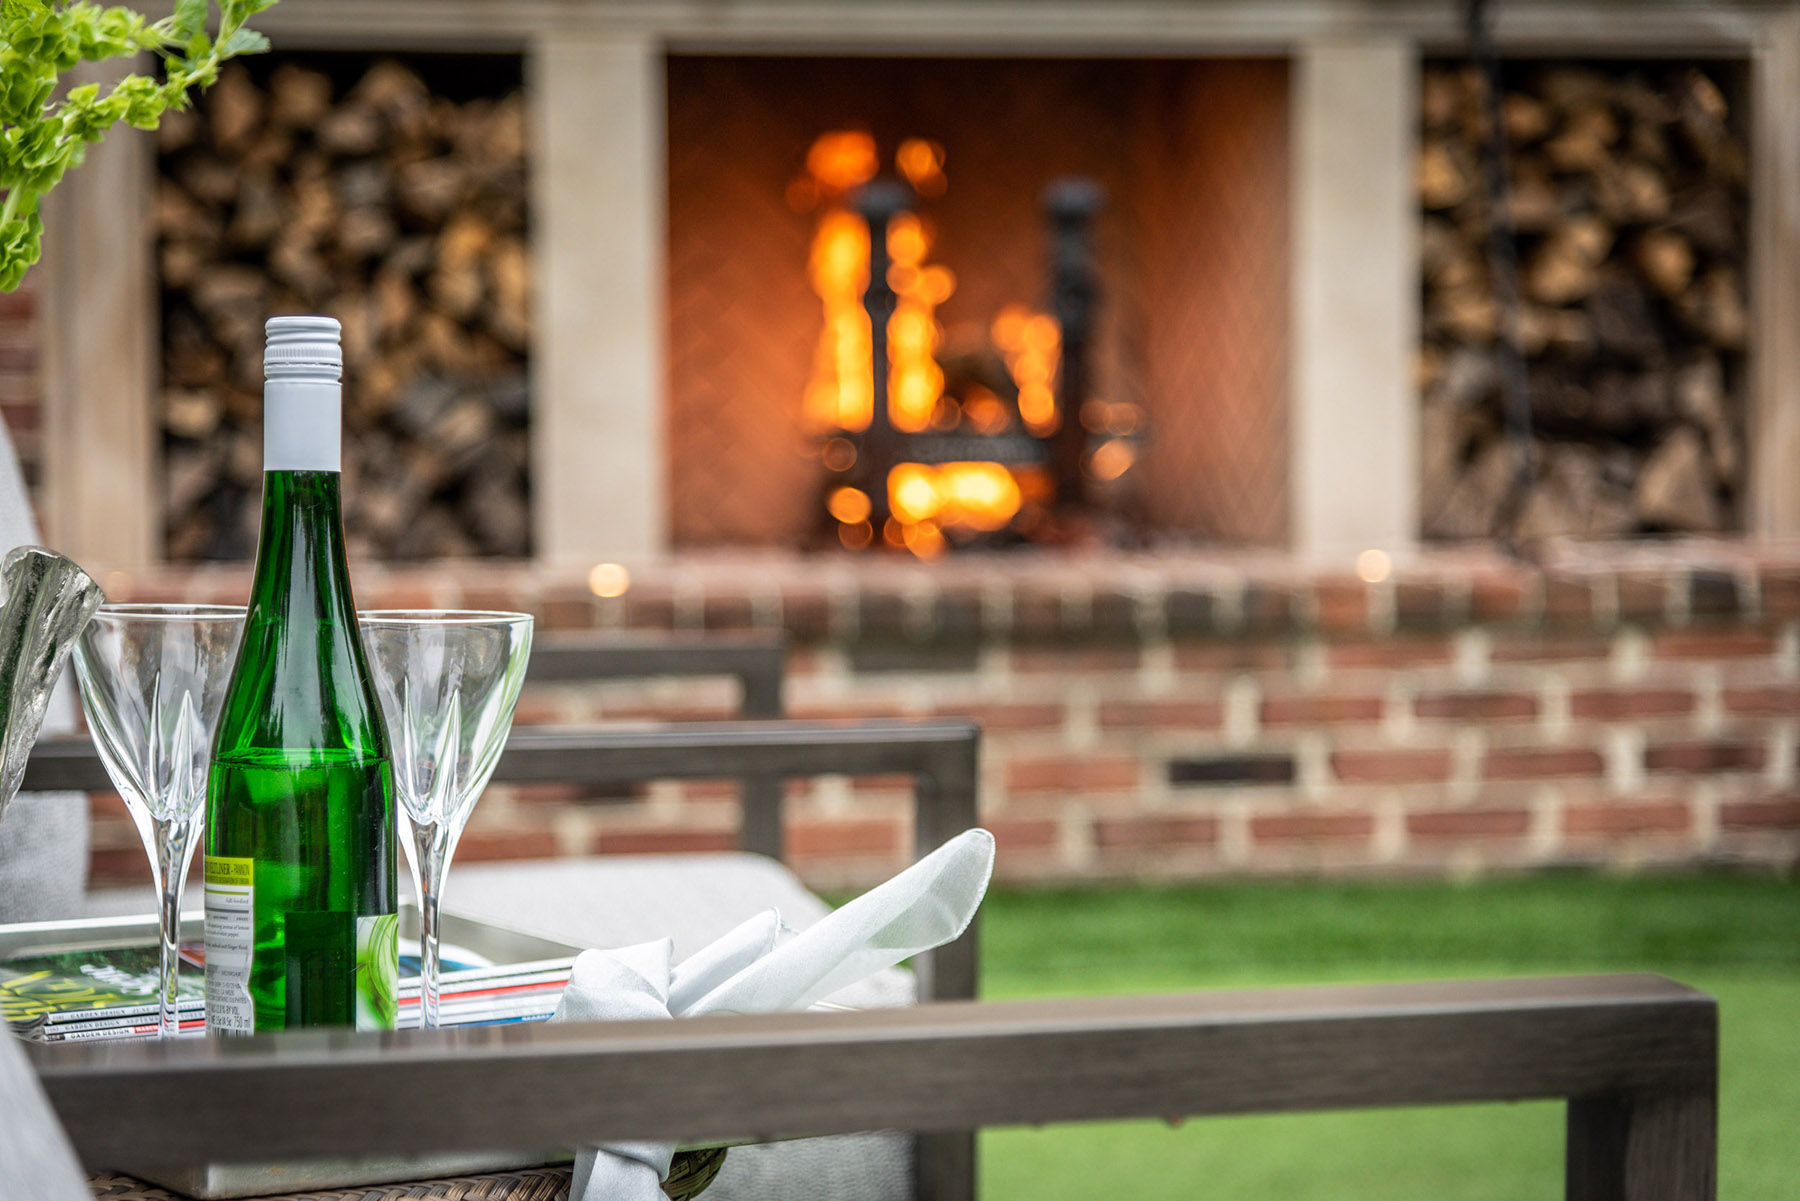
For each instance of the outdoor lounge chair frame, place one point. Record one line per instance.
(757, 661)
(941, 757)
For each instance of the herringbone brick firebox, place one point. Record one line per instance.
(1181, 718)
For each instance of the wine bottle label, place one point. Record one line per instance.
(378, 971)
(230, 944)
(302, 425)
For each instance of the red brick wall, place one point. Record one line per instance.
(1184, 717)
(19, 386)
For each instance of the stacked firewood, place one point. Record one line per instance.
(402, 214)
(1628, 195)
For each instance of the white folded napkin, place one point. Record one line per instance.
(764, 966)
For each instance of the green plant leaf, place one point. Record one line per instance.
(19, 10)
(190, 18)
(42, 138)
(244, 41)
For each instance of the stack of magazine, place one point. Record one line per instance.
(473, 992)
(112, 993)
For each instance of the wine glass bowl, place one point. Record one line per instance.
(153, 681)
(448, 680)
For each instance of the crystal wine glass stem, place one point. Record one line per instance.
(432, 846)
(173, 841)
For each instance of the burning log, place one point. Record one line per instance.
(402, 214)
(1628, 200)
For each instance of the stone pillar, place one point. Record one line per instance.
(598, 210)
(1355, 457)
(97, 333)
(1774, 424)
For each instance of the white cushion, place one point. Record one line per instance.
(616, 901)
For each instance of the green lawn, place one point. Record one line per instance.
(1736, 937)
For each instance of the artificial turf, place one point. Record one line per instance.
(1735, 936)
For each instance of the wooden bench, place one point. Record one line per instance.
(1636, 1057)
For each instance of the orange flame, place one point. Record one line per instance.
(972, 495)
(843, 159)
(1111, 459)
(922, 163)
(849, 505)
(915, 382)
(838, 393)
(1032, 346)
(926, 500)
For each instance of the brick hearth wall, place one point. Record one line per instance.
(19, 386)
(1181, 718)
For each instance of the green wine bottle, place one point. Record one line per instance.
(301, 915)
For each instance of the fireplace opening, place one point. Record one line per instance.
(390, 194)
(1109, 368)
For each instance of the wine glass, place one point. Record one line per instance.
(448, 680)
(153, 681)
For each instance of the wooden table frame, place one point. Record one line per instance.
(1635, 1056)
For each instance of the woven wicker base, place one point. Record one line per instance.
(688, 1178)
(526, 1184)
(692, 1171)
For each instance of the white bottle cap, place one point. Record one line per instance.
(303, 348)
(302, 399)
